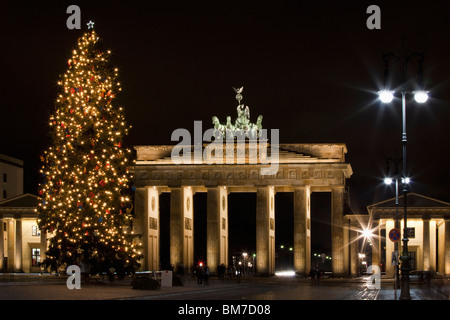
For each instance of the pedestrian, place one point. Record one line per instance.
(239, 273)
(206, 275)
(312, 275)
(200, 274)
(317, 272)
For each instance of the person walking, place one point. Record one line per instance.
(317, 273)
(206, 275)
(312, 275)
(200, 274)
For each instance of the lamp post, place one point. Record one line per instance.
(389, 181)
(244, 255)
(421, 96)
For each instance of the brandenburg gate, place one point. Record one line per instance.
(250, 164)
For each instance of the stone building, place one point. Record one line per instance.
(21, 243)
(11, 177)
(429, 238)
(19, 234)
(302, 169)
(240, 158)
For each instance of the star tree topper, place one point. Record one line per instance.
(90, 24)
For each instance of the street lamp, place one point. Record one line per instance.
(421, 96)
(406, 180)
(367, 234)
(386, 96)
(244, 255)
(389, 181)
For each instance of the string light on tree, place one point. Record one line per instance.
(86, 203)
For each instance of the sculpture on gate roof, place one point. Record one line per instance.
(242, 125)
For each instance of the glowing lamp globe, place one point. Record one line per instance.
(406, 180)
(386, 96)
(421, 96)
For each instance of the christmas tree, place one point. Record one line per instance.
(86, 200)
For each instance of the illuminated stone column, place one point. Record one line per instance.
(353, 251)
(2, 243)
(139, 221)
(146, 223)
(265, 230)
(18, 251)
(347, 251)
(217, 228)
(11, 245)
(302, 229)
(43, 245)
(433, 245)
(447, 247)
(339, 240)
(375, 244)
(188, 244)
(426, 243)
(151, 253)
(440, 265)
(181, 228)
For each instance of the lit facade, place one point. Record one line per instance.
(22, 246)
(302, 169)
(429, 241)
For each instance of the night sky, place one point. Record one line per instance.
(312, 68)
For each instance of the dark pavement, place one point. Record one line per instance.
(50, 287)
